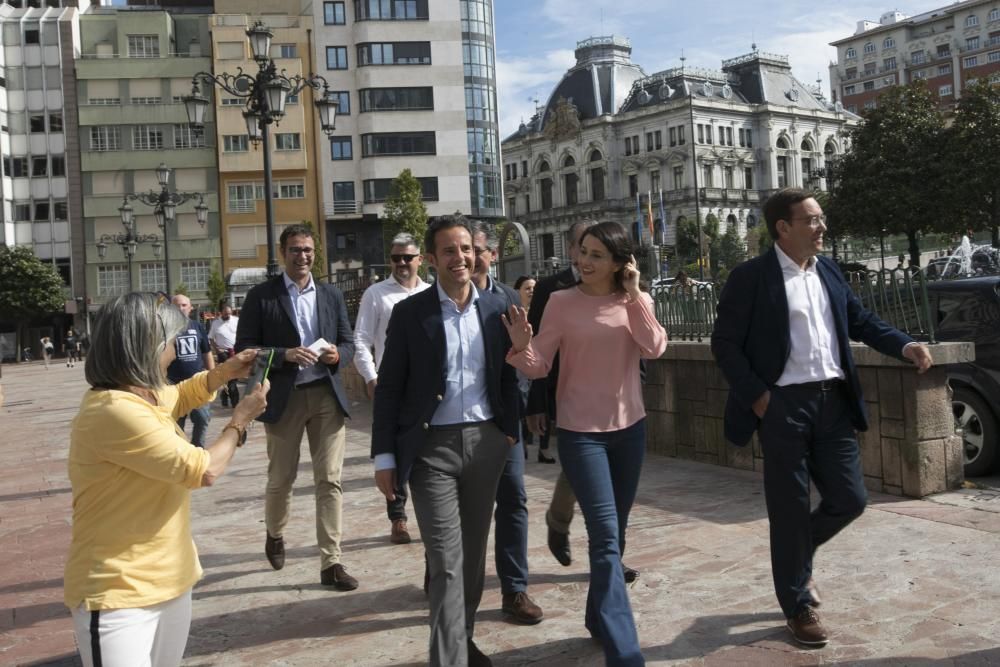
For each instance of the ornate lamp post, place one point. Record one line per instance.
(129, 241)
(164, 205)
(265, 94)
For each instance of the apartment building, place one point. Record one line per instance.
(948, 48)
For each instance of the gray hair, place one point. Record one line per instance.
(130, 334)
(487, 230)
(579, 224)
(404, 239)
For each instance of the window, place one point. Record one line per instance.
(343, 197)
(971, 21)
(16, 167)
(394, 53)
(680, 135)
(548, 245)
(340, 148)
(105, 101)
(849, 90)
(147, 138)
(524, 168)
(235, 143)
(392, 10)
(889, 43)
(36, 123)
(22, 212)
(146, 100)
(241, 198)
(58, 167)
(658, 139)
(378, 189)
(971, 43)
(233, 101)
(152, 276)
(285, 51)
(851, 73)
(708, 134)
(889, 64)
(869, 85)
(195, 274)
(31, 36)
(806, 168)
(920, 74)
(869, 69)
(402, 143)
(943, 50)
(994, 57)
(55, 122)
(654, 180)
(995, 14)
(482, 146)
(105, 138)
(112, 279)
(287, 141)
(333, 13)
(570, 182)
(869, 48)
(727, 175)
(633, 185)
(343, 99)
(546, 187)
(748, 178)
(649, 141)
(41, 211)
(60, 211)
(40, 166)
(347, 241)
(869, 105)
(289, 190)
(944, 69)
(672, 134)
(729, 136)
(186, 137)
(707, 174)
(143, 46)
(850, 53)
(292, 99)
(336, 57)
(628, 145)
(597, 183)
(477, 59)
(399, 99)
(701, 134)
(918, 57)
(782, 162)
(971, 61)
(945, 90)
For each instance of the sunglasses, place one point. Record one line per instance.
(406, 259)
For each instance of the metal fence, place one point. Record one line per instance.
(353, 287)
(687, 312)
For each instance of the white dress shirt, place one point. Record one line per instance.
(373, 319)
(814, 353)
(223, 332)
(307, 324)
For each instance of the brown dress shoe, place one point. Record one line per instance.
(630, 574)
(274, 549)
(399, 533)
(476, 657)
(814, 599)
(807, 629)
(522, 608)
(337, 576)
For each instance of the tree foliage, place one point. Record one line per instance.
(182, 288)
(28, 287)
(216, 289)
(319, 268)
(404, 209)
(731, 248)
(976, 158)
(687, 238)
(893, 174)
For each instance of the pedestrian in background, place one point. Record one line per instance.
(193, 354)
(47, 349)
(222, 338)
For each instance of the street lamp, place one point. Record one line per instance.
(164, 205)
(265, 94)
(129, 241)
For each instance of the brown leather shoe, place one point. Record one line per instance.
(807, 629)
(274, 549)
(476, 657)
(559, 546)
(522, 608)
(399, 533)
(337, 576)
(815, 600)
(630, 574)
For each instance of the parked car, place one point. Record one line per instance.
(969, 310)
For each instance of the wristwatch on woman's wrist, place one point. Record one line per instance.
(241, 432)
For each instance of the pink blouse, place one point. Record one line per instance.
(599, 340)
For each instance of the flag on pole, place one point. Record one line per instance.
(663, 222)
(649, 217)
(638, 217)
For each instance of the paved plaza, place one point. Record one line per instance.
(912, 582)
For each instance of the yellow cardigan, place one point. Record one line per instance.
(131, 470)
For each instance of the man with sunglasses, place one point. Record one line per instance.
(369, 334)
(782, 340)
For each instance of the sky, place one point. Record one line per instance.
(536, 38)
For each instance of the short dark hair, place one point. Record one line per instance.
(779, 206)
(576, 225)
(614, 237)
(442, 222)
(295, 230)
(521, 280)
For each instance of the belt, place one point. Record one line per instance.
(321, 382)
(819, 385)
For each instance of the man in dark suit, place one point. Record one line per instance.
(293, 314)
(445, 416)
(782, 340)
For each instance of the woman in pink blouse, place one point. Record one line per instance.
(600, 328)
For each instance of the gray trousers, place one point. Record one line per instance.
(560, 513)
(453, 485)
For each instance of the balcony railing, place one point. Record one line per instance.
(342, 207)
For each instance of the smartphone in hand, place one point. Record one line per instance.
(261, 367)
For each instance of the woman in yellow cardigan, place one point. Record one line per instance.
(132, 562)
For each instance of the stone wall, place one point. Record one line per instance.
(910, 448)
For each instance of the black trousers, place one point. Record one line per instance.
(806, 434)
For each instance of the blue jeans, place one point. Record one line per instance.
(603, 469)
(199, 420)
(511, 515)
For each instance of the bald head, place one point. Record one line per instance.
(183, 303)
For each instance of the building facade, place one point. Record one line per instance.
(948, 48)
(134, 68)
(613, 143)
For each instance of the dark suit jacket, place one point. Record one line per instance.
(267, 320)
(411, 377)
(752, 341)
(541, 396)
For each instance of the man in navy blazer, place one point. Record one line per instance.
(445, 416)
(782, 340)
(289, 313)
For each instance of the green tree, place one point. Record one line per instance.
(28, 287)
(319, 268)
(687, 239)
(894, 176)
(710, 242)
(731, 249)
(181, 288)
(404, 210)
(976, 142)
(216, 289)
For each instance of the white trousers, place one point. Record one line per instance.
(144, 637)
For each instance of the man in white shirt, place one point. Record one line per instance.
(782, 340)
(369, 333)
(222, 338)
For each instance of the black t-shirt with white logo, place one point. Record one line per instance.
(191, 344)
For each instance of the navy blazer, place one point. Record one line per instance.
(411, 377)
(267, 320)
(752, 341)
(541, 395)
